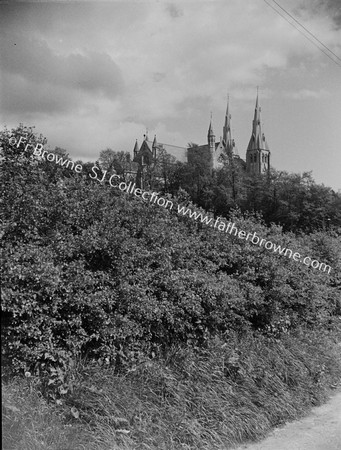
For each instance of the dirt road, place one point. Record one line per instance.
(321, 430)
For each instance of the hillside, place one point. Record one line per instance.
(127, 325)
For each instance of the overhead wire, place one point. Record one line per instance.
(300, 31)
(306, 29)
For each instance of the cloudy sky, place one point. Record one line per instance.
(93, 75)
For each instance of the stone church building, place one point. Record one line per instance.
(257, 152)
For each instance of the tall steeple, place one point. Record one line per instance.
(257, 140)
(154, 146)
(257, 153)
(227, 133)
(210, 132)
(211, 142)
(136, 149)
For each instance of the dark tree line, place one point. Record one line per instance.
(291, 200)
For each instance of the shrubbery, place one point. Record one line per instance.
(91, 272)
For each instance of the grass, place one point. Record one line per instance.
(214, 398)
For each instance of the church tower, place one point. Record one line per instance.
(211, 143)
(227, 134)
(136, 149)
(257, 153)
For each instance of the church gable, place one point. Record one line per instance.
(145, 155)
(219, 155)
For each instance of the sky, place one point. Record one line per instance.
(97, 75)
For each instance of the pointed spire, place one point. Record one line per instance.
(227, 133)
(227, 114)
(256, 120)
(210, 128)
(257, 140)
(227, 104)
(154, 146)
(136, 148)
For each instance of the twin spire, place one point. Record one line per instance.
(256, 144)
(228, 142)
(257, 140)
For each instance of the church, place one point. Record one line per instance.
(257, 153)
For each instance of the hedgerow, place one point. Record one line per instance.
(91, 272)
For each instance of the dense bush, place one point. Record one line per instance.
(90, 271)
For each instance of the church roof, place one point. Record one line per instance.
(205, 146)
(149, 144)
(180, 153)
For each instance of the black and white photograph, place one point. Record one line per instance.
(170, 227)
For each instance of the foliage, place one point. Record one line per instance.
(120, 162)
(232, 390)
(92, 272)
(293, 201)
(158, 175)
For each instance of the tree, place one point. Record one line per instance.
(120, 162)
(158, 175)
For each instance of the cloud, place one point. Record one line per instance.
(158, 76)
(27, 99)
(34, 74)
(24, 97)
(95, 75)
(333, 7)
(201, 56)
(310, 11)
(85, 137)
(303, 94)
(174, 11)
(152, 61)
